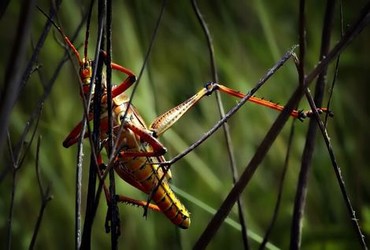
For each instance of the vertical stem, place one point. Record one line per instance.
(302, 183)
(92, 197)
(280, 191)
(300, 199)
(113, 208)
(10, 216)
(225, 126)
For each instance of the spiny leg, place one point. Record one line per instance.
(166, 120)
(300, 114)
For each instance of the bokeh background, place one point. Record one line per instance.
(249, 37)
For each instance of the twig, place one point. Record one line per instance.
(235, 109)
(45, 196)
(225, 126)
(341, 27)
(338, 174)
(36, 51)
(12, 194)
(92, 196)
(302, 186)
(280, 191)
(296, 228)
(17, 163)
(113, 208)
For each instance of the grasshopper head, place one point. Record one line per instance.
(85, 75)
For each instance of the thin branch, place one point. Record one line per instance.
(12, 194)
(79, 160)
(92, 196)
(296, 228)
(36, 51)
(336, 68)
(225, 126)
(113, 208)
(280, 190)
(302, 186)
(45, 196)
(235, 109)
(338, 174)
(17, 163)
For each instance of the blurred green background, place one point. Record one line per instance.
(249, 37)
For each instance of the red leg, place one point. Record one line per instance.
(144, 204)
(123, 86)
(166, 120)
(295, 113)
(125, 199)
(75, 134)
(146, 136)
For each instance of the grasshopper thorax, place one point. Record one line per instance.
(85, 75)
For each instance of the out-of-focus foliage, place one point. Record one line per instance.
(249, 37)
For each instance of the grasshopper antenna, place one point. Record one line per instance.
(87, 34)
(66, 39)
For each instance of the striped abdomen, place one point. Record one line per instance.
(147, 177)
